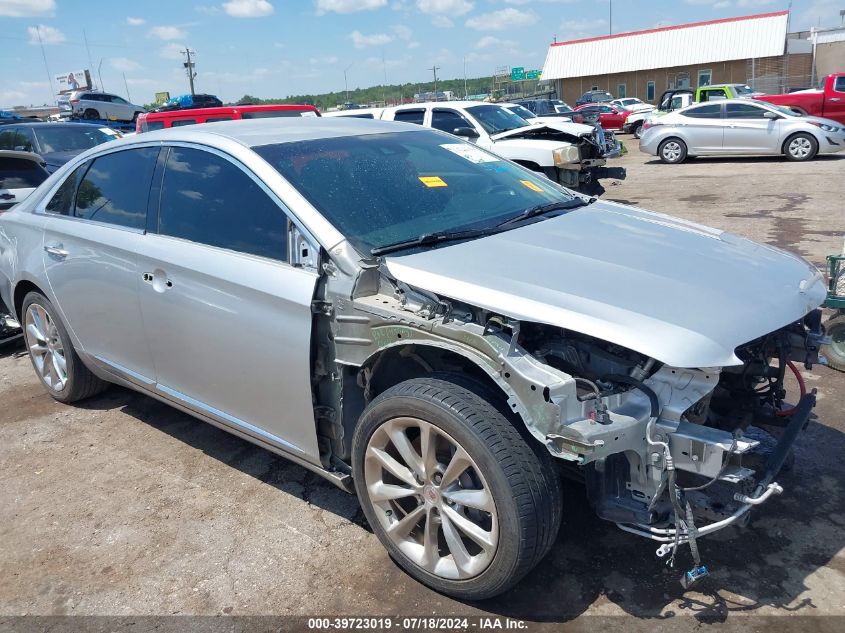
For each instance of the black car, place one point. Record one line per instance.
(594, 96)
(57, 143)
(188, 102)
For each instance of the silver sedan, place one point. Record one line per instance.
(739, 127)
(372, 300)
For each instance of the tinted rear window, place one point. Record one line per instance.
(152, 125)
(19, 173)
(116, 187)
(181, 122)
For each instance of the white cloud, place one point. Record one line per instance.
(248, 8)
(821, 13)
(167, 33)
(171, 51)
(414, 45)
(27, 8)
(452, 7)
(442, 22)
(402, 31)
(348, 6)
(124, 64)
(359, 40)
(135, 21)
(488, 40)
(502, 19)
(49, 35)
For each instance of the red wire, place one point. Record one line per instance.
(801, 386)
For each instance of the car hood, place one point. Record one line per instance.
(576, 129)
(55, 160)
(679, 292)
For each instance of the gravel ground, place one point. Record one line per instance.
(123, 506)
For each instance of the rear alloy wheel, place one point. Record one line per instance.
(51, 351)
(801, 147)
(91, 114)
(452, 490)
(835, 351)
(672, 151)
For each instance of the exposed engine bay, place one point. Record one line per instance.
(667, 453)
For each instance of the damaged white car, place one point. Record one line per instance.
(571, 154)
(418, 320)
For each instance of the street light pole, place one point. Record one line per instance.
(610, 21)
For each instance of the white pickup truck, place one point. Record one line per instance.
(571, 154)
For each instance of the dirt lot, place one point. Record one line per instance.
(123, 506)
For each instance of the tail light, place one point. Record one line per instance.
(650, 123)
(74, 101)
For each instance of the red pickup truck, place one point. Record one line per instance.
(829, 102)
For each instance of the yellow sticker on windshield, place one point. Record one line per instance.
(531, 185)
(432, 181)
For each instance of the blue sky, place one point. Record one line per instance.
(274, 48)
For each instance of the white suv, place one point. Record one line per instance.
(87, 104)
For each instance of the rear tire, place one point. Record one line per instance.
(835, 351)
(672, 151)
(91, 114)
(801, 147)
(498, 470)
(53, 356)
(638, 130)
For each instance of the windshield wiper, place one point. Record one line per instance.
(533, 212)
(426, 239)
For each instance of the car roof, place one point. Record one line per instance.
(53, 124)
(8, 153)
(258, 132)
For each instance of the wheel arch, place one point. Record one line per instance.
(404, 360)
(792, 135)
(23, 288)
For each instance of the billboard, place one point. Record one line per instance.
(161, 97)
(76, 80)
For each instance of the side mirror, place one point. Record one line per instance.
(465, 132)
(770, 115)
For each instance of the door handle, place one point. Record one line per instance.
(56, 250)
(834, 99)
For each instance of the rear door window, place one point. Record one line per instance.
(149, 126)
(710, 111)
(116, 188)
(62, 201)
(416, 116)
(209, 200)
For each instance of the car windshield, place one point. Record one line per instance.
(743, 90)
(20, 173)
(495, 118)
(53, 138)
(522, 111)
(380, 189)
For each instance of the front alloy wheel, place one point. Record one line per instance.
(434, 503)
(801, 147)
(458, 497)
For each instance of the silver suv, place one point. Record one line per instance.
(423, 322)
(89, 104)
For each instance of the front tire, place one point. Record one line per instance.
(91, 114)
(53, 356)
(672, 151)
(454, 493)
(801, 147)
(835, 351)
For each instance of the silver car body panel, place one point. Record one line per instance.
(667, 300)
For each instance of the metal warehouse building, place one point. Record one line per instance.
(749, 49)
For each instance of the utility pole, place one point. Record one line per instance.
(125, 83)
(345, 82)
(610, 21)
(384, 67)
(189, 67)
(465, 77)
(100, 74)
(90, 63)
(46, 67)
(434, 69)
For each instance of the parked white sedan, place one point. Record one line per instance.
(739, 127)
